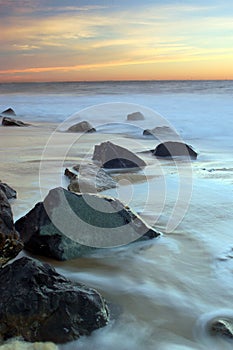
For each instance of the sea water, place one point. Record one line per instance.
(163, 292)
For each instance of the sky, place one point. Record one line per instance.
(78, 40)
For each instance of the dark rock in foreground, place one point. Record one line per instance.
(83, 126)
(9, 191)
(173, 149)
(135, 116)
(9, 111)
(111, 156)
(69, 225)
(10, 242)
(39, 304)
(6, 121)
(222, 327)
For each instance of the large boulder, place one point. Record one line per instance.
(90, 179)
(174, 149)
(9, 191)
(83, 126)
(39, 304)
(69, 225)
(112, 156)
(7, 121)
(9, 111)
(10, 242)
(135, 116)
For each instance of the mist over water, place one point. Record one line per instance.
(164, 292)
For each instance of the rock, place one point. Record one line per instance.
(159, 131)
(222, 327)
(9, 191)
(9, 111)
(10, 242)
(91, 179)
(135, 116)
(22, 345)
(70, 174)
(41, 305)
(173, 149)
(111, 156)
(83, 126)
(7, 121)
(69, 225)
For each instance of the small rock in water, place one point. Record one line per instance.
(174, 149)
(9, 111)
(222, 327)
(69, 225)
(135, 116)
(83, 126)
(159, 131)
(111, 156)
(10, 242)
(41, 305)
(9, 191)
(7, 121)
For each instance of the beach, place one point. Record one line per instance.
(164, 290)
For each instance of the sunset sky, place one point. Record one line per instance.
(73, 40)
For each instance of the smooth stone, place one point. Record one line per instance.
(39, 304)
(173, 149)
(222, 327)
(7, 121)
(10, 242)
(112, 156)
(9, 191)
(135, 116)
(83, 126)
(68, 225)
(9, 111)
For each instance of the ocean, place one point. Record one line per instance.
(166, 290)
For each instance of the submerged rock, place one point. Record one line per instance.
(135, 116)
(173, 149)
(91, 179)
(9, 111)
(83, 126)
(10, 242)
(7, 121)
(222, 327)
(9, 191)
(39, 304)
(69, 225)
(111, 156)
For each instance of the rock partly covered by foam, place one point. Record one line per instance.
(135, 116)
(7, 121)
(222, 327)
(174, 149)
(9, 111)
(90, 179)
(39, 304)
(112, 156)
(69, 225)
(83, 126)
(10, 242)
(9, 191)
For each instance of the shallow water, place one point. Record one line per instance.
(162, 293)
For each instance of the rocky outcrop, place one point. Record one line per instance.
(69, 225)
(10, 242)
(90, 179)
(174, 149)
(222, 327)
(83, 126)
(9, 191)
(7, 121)
(111, 156)
(135, 116)
(9, 111)
(39, 304)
